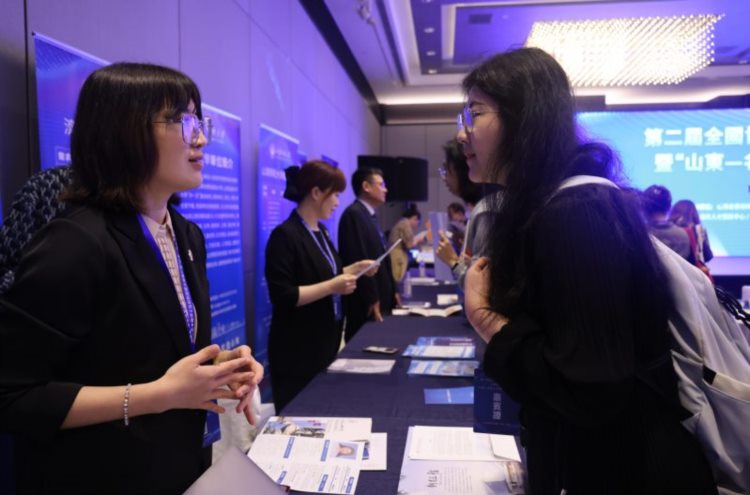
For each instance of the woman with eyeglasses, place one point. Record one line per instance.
(571, 300)
(106, 363)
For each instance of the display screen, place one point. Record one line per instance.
(700, 155)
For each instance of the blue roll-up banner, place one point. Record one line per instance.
(60, 73)
(276, 151)
(215, 206)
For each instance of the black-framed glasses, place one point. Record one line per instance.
(192, 126)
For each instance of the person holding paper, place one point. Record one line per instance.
(404, 230)
(360, 237)
(106, 363)
(573, 301)
(306, 280)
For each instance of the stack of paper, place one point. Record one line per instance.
(460, 462)
(441, 351)
(362, 366)
(443, 368)
(318, 454)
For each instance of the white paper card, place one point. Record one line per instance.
(377, 450)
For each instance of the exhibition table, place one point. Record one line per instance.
(394, 401)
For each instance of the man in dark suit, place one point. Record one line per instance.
(360, 238)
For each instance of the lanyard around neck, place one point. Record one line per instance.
(324, 249)
(188, 310)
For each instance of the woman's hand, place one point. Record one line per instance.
(357, 267)
(445, 251)
(476, 300)
(243, 390)
(343, 284)
(188, 384)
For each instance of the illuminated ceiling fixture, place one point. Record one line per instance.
(636, 51)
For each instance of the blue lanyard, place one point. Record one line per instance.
(188, 311)
(327, 254)
(338, 311)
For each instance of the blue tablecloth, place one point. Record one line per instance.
(394, 401)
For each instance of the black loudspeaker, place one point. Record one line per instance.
(405, 177)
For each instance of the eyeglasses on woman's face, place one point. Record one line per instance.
(466, 117)
(192, 127)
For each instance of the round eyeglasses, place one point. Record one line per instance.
(192, 126)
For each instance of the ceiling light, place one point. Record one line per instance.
(430, 53)
(429, 30)
(628, 52)
(432, 71)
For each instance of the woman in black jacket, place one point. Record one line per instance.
(306, 280)
(571, 299)
(106, 362)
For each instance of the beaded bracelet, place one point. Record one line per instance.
(125, 402)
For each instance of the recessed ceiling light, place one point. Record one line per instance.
(635, 51)
(430, 53)
(429, 30)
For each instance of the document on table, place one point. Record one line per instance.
(456, 395)
(448, 340)
(375, 457)
(309, 464)
(441, 351)
(457, 477)
(363, 366)
(377, 261)
(319, 427)
(459, 444)
(443, 368)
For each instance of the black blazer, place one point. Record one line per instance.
(303, 340)
(360, 238)
(92, 305)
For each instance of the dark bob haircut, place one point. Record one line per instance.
(113, 150)
(315, 173)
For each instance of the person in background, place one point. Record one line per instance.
(106, 363)
(684, 214)
(455, 175)
(656, 202)
(487, 197)
(457, 226)
(404, 230)
(306, 280)
(572, 299)
(360, 237)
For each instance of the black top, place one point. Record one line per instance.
(303, 339)
(91, 305)
(592, 314)
(360, 238)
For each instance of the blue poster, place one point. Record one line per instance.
(60, 73)
(215, 206)
(276, 151)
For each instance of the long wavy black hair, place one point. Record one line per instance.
(538, 149)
